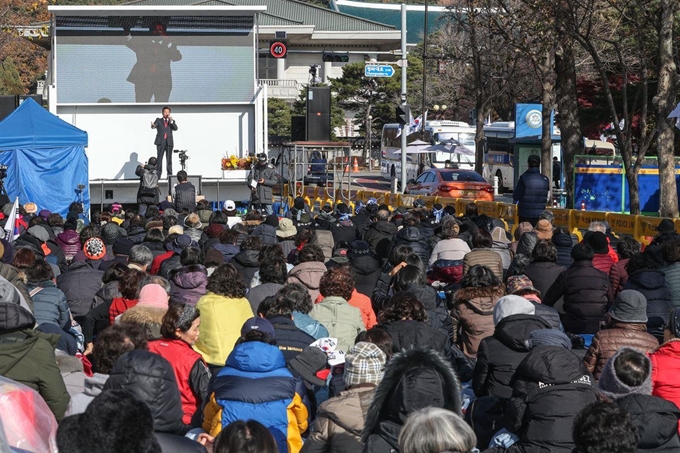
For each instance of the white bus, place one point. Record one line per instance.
(390, 156)
(442, 131)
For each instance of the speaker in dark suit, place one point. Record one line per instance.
(164, 142)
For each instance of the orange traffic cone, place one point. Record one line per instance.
(346, 165)
(583, 205)
(355, 166)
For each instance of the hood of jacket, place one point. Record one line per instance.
(553, 365)
(562, 240)
(95, 384)
(648, 278)
(189, 277)
(15, 346)
(410, 234)
(481, 300)
(413, 379)
(144, 315)
(247, 258)
(13, 316)
(656, 420)
(365, 265)
(426, 295)
(514, 330)
(385, 227)
(256, 357)
(151, 379)
(309, 273)
(69, 237)
(227, 249)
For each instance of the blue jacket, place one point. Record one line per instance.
(309, 325)
(531, 192)
(256, 385)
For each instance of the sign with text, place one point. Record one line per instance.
(378, 70)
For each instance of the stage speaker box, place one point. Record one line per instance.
(36, 97)
(319, 114)
(195, 180)
(298, 128)
(7, 105)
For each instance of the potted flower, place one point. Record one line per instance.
(235, 167)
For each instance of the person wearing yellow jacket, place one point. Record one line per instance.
(256, 385)
(223, 309)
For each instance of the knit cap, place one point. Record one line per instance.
(611, 386)
(110, 232)
(630, 306)
(548, 337)
(308, 363)
(45, 214)
(511, 305)
(153, 295)
(94, 249)
(39, 233)
(364, 364)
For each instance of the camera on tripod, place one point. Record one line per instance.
(182, 157)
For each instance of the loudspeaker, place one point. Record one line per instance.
(298, 128)
(7, 105)
(36, 97)
(319, 114)
(195, 180)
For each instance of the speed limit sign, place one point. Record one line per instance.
(278, 49)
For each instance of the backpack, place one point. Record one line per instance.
(149, 183)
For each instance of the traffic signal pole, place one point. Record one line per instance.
(405, 128)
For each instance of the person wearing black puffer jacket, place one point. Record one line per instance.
(80, 283)
(366, 266)
(379, 235)
(343, 229)
(531, 191)
(151, 379)
(415, 237)
(645, 276)
(499, 355)
(246, 261)
(563, 243)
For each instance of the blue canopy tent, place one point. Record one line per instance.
(45, 158)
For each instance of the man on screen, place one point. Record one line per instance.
(151, 74)
(164, 142)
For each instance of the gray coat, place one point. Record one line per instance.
(260, 293)
(49, 304)
(264, 191)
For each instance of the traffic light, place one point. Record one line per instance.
(336, 57)
(403, 115)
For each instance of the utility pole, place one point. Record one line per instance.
(404, 64)
(422, 112)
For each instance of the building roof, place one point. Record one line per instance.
(287, 12)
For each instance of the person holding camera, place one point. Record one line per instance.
(164, 141)
(147, 194)
(184, 193)
(261, 179)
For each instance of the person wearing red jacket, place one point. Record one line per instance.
(666, 361)
(180, 331)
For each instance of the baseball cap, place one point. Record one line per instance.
(229, 205)
(260, 324)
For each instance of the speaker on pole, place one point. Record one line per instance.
(319, 114)
(7, 105)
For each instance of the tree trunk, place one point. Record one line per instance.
(567, 102)
(633, 190)
(367, 135)
(665, 101)
(547, 96)
(479, 138)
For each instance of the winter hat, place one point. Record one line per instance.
(286, 229)
(598, 242)
(45, 214)
(544, 229)
(193, 221)
(364, 364)
(154, 224)
(214, 230)
(548, 337)
(30, 208)
(153, 295)
(629, 306)
(299, 203)
(180, 243)
(176, 229)
(122, 246)
(611, 385)
(665, 226)
(214, 256)
(39, 233)
(309, 362)
(359, 248)
(164, 205)
(547, 215)
(261, 324)
(511, 305)
(272, 220)
(110, 232)
(94, 249)
(524, 227)
(114, 421)
(170, 213)
(519, 283)
(498, 235)
(116, 208)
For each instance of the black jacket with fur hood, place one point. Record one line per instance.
(413, 379)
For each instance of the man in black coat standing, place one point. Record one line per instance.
(164, 142)
(147, 194)
(531, 192)
(261, 179)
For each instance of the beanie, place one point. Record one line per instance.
(364, 364)
(549, 337)
(94, 249)
(39, 233)
(629, 306)
(511, 305)
(610, 384)
(153, 295)
(272, 220)
(110, 232)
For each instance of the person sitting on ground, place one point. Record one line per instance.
(666, 361)
(543, 269)
(150, 309)
(298, 296)
(434, 430)
(188, 283)
(272, 275)
(618, 274)
(483, 255)
(49, 303)
(671, 255)
(598, 242)
(604, 427)
(520, 285)
(380, 234)
(245, 437)
(627, 327)
(309, 270)
(289, 338)
(246, 261)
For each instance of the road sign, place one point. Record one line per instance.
(378, 70)
(278, 49)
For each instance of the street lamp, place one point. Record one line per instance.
(369, 130)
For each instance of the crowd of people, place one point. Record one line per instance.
(412, 330)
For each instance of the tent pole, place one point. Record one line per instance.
(101, 200)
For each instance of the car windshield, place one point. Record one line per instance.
(465, 176)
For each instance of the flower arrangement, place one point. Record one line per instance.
(236, 163)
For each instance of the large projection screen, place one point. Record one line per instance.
(155, 59)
